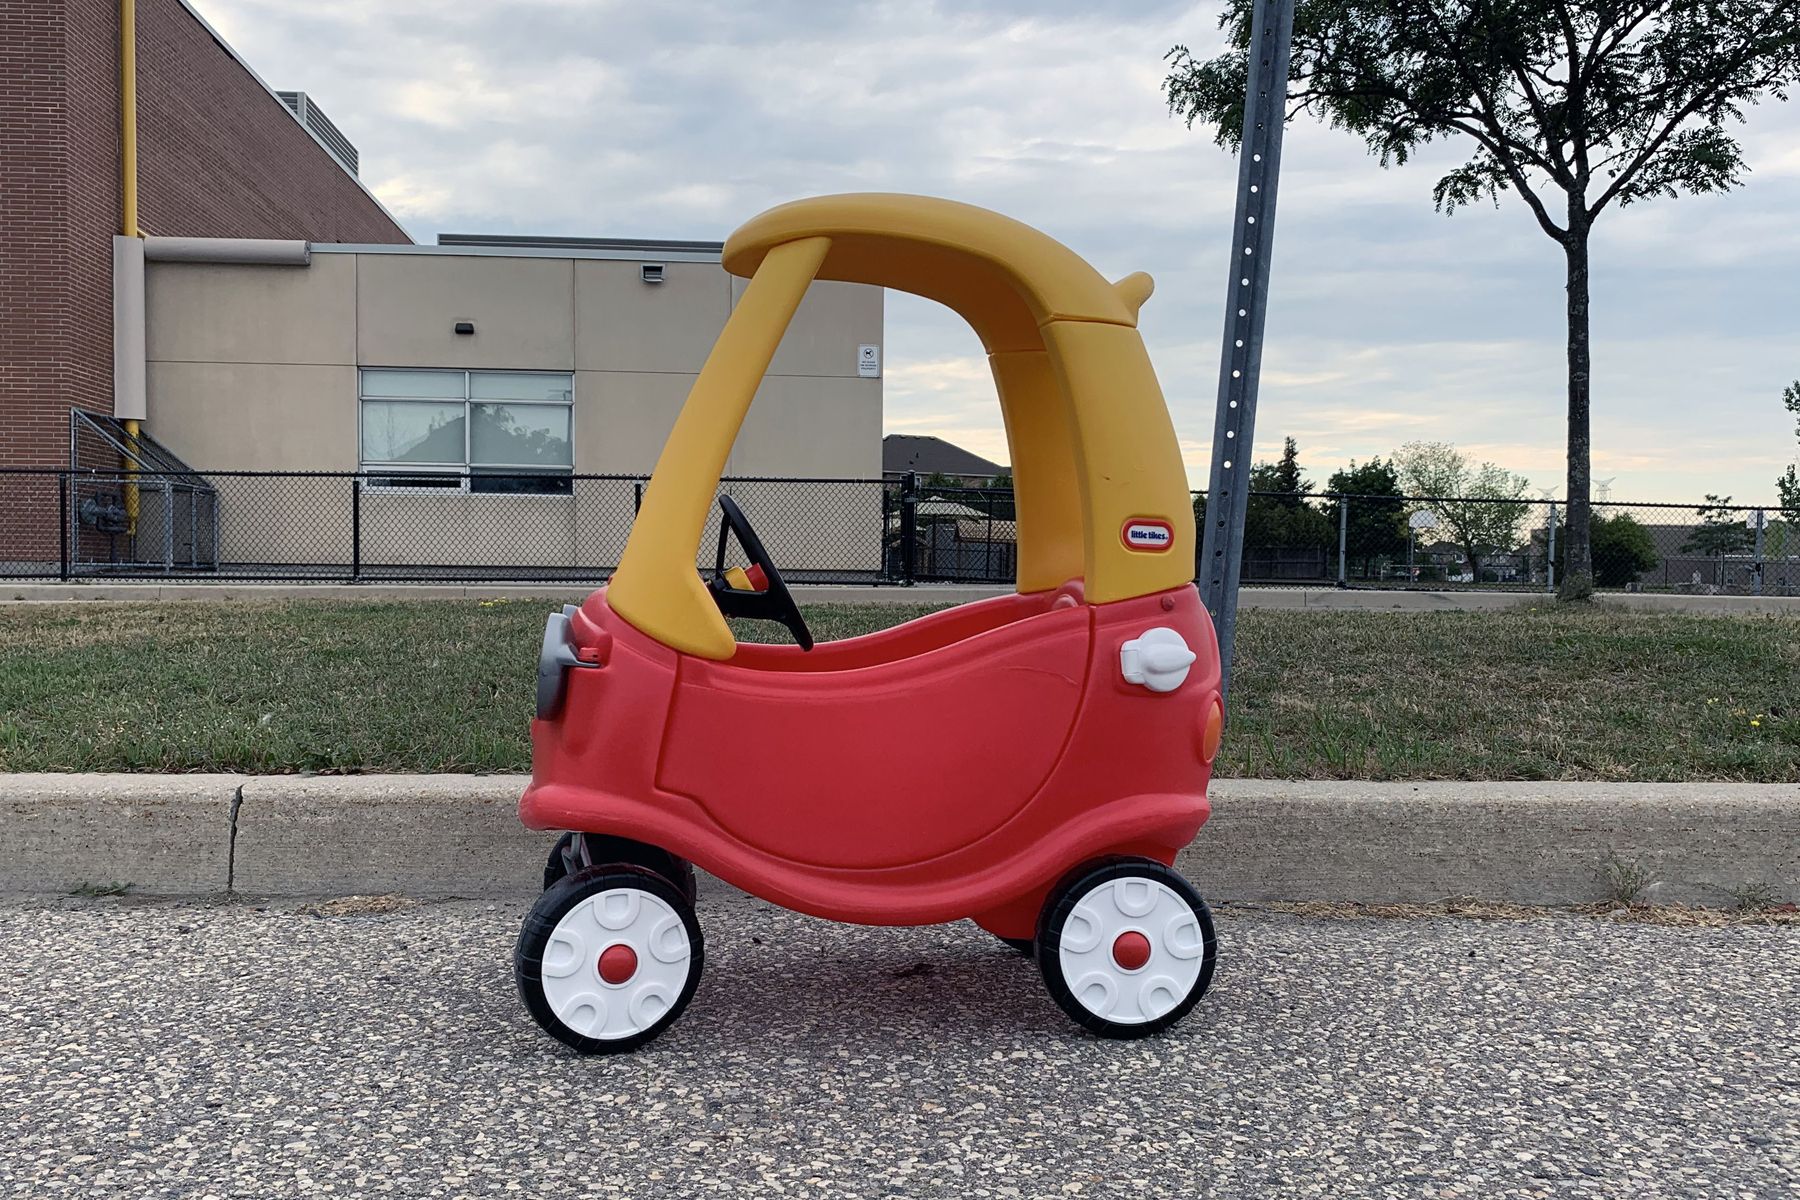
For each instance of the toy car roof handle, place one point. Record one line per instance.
(771, 603)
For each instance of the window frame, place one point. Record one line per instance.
(369, 471)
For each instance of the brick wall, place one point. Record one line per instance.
(218, 157)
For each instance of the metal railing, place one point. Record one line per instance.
(347, 526)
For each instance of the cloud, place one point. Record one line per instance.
(1387, 320)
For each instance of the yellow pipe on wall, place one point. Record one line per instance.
(128, 193)
(128, 116)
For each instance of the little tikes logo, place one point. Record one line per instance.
(1151, 534)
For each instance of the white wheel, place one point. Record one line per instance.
(608, 958)
(1126, 947)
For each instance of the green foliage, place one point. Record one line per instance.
(1622, 550)
(1720, 531)
(1626, 879)
(1480, 508)
(1281, 519)
(1375, 526)
(1787, 484)
(1285, 476)
(1630, 100)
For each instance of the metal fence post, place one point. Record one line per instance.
(1756, 574)
(1343, 539)
(637, 498)
(64, 484)
(909, 527)
(355, 528)
(168, 500)
(987, 549)
(1550, 552)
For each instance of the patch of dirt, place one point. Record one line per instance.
(357, 906)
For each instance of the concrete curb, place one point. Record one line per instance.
(1308, 599)
(167, 834)
(419, 834)
(435, 835)
(1529, 843)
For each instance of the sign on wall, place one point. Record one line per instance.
(868, 361)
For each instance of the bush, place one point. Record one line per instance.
(1622, 550)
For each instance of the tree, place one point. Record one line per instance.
(1721, 531)
(1623, 550)
(1285, 476)
(1375, 523)
(1482, 508)
(1572, 104)
(1787, 484)
(1277, 515)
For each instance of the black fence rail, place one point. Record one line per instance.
(347, 526)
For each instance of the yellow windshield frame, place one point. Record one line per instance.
(1095, 459)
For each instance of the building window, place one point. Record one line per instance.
(487, 431)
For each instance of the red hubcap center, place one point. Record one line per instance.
(618, 963)
(1131, 950)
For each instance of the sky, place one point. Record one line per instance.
(1387, 322)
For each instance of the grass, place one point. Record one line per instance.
(447, 686)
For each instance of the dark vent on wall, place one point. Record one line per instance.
(309, 115)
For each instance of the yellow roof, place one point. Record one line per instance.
(1094, 453)
(1002, 276)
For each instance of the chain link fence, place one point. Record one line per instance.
(1449, 542)
(360, 526)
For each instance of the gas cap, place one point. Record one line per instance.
(1157, 659)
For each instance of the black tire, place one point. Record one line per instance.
(1025, 946)
(1085, 881)
(565, 860)
(541, 924)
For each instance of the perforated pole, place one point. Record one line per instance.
(1246, 298)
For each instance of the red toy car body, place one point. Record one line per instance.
(954, 766)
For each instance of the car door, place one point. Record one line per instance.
(883, 764)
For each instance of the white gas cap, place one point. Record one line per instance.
(1158, 659)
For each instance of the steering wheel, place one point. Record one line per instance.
(766, 598)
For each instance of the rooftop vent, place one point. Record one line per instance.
(309, 114)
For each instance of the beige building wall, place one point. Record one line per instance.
(408, 305)
(255, 368)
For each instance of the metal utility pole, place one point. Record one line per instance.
(1550, 551)
(1246, 298)
(1757, 570)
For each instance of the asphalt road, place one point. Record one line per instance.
(160, 1050)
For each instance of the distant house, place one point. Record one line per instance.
(903, 452)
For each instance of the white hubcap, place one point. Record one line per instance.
(659, 961)
(1131, 950)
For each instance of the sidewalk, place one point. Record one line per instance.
(459, 835)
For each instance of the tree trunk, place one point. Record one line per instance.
(1577, 581)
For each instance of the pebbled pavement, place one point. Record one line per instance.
(152, 1049)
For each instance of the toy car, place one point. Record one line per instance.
(1060, 739)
